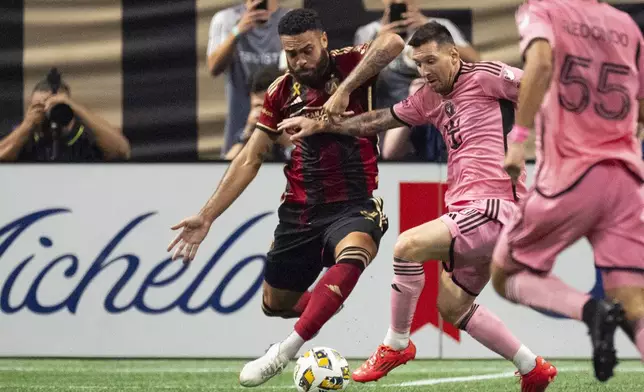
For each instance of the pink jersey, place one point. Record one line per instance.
(589, 114)
(474, 120)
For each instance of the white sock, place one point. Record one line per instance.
(292, 344)
(397, 341)
(524, 360)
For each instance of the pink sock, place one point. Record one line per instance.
(489, 330)
(639, 337)
(546, 293)
(408, 283)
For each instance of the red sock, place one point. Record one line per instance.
(327, 296)
(302, 302)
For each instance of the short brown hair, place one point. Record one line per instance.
(432, 31)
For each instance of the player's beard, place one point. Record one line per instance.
(316, 78)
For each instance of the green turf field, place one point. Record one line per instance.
(219, 375)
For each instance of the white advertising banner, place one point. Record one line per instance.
(84, 270)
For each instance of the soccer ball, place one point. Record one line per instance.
(321, 369)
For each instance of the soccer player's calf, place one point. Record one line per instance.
(627, 287)
(586, 145)
(480, 198)
(346, 240)
(457, 293)
(352, 254)
(525, 255)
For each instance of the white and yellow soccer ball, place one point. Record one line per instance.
(321, 369)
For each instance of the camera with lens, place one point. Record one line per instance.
(60, 115)
(57, 118)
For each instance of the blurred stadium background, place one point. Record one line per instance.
(142, 63)
(83, 268)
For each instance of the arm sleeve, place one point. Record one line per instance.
(410, 111)
(271, 114)
(501, 84)
(220, 27)
(533, 23)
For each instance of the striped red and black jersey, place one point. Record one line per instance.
(324, 168)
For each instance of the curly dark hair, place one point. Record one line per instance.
(299, 21)
(432, 31)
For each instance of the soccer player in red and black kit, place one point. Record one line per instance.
(328, 217)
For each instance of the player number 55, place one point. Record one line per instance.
(604, 87)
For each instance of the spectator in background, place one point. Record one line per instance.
(259, 87)
(394, 81)
(88, 137)
(243, 41)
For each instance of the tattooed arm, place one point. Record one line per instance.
(363, 125)
(366, 124)
(381, 52)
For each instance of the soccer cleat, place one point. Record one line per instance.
(384, 360)
(539, 378)
(601, 329)
(264, 368)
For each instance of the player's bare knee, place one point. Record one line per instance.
(283, 313)
(406, 248)
(270, 304)
(280, 308)
(279, 303)
(268, 311)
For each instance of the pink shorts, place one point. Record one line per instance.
(475, 227)
(606, 206)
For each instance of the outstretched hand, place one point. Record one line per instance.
(195, 229)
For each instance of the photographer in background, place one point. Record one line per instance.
(82, 136)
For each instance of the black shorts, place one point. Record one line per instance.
(306, 237)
